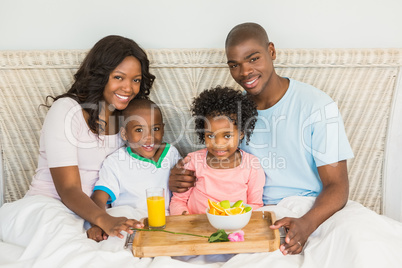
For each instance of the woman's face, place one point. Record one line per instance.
(124, 84)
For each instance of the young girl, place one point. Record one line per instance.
(223, 117)
(79, 131)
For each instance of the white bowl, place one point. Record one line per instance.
(231, 223)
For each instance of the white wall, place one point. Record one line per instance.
(78, 24)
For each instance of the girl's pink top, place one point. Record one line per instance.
(244, 182)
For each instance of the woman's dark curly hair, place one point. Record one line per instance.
(93, 74)
(238, 107)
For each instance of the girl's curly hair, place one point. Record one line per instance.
(93, 75)
(238, 107)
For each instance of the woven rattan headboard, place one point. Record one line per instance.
(361, 81)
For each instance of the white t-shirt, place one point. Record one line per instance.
(302, 131)
(125, 176)
(66, 140)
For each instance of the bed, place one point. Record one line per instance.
(366, 84)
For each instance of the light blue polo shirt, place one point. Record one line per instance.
(301, 132)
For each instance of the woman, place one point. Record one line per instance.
(79, 131)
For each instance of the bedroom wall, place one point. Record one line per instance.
(59, 24)
(78, 24)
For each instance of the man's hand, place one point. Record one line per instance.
(180, 179)
(333, 197)
(298, 230)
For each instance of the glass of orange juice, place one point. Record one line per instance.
(156, 208)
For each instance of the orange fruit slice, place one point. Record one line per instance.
(234, 211)
(216, 206)
(218, 213)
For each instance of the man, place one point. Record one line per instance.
(299, 137)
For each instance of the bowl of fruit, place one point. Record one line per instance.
(229, 216)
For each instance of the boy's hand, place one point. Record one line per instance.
(180, 179)
(96, 233)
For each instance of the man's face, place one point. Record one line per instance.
(251, 65)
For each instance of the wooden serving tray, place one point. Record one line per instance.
(258, 237)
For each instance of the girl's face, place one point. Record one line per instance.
(144, 131)
(124, 84)
(222, 138)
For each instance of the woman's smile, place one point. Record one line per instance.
(121, 97)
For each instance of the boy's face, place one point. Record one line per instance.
(221, 137)
(251, 65)
(144, 131)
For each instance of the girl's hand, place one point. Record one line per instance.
(115, 225)
(96, 233)
(184, 213)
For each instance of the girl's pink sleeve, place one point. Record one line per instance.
(256, 184)
(178, 203)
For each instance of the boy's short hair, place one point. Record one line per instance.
(140, 103)
(235, 105)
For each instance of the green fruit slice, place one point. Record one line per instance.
(237, 204)
(247, 209)
(225, 204)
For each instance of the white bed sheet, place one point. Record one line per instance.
(44, 233)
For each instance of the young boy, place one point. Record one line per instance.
(144, 162)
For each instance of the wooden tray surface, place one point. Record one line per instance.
(258, 237)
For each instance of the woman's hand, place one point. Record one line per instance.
(96, 233)
(180, 179)
(113, 226)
